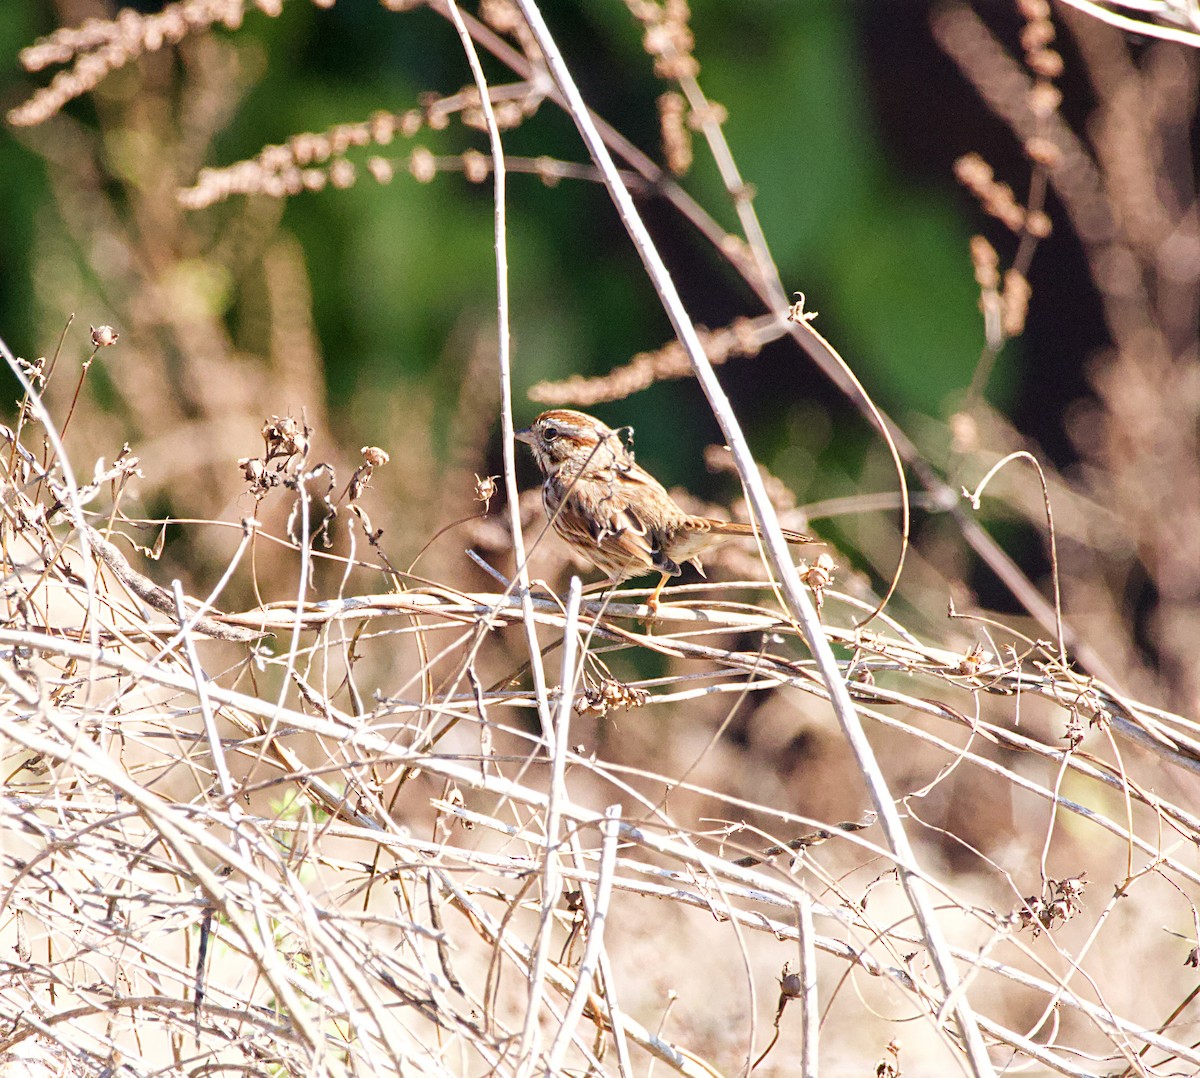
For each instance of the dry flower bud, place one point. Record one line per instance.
(1038, 224)
(1034, 9)
(676, 137)
(308, 148)
(476, 166)
(547, 171)
(501, 15)
(358, 134)
(1044, 98)
(712, 112)
(374, 456)
(972, 171)
(104, 336)
(975, 174)
(1046, 62)
(1014, 302)
(508, 114)
(985, 262)
(1042, 151)
(964, 432)
(1037, 34)
(411, 122)
(342, 174)
(677, 67)
(381, 169)
(422, 165)
(383, 128)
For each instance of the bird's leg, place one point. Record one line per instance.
(652, 602)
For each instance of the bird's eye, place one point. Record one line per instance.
(549, 434)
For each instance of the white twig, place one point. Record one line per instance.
(555, 799)
(609, 829)
(1140, 26)
(504, 359)
(201, 682)
(810, 1013)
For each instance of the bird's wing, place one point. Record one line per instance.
(627, 517)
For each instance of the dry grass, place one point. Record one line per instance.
(331, 814)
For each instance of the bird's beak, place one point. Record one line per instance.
(525, 435)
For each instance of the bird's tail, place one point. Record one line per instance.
(734, 527)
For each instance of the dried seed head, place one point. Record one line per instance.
(889, 1066)
(797, 313)
(254, 471)
(610, 694)
(284, 437)
(374, 456)
(818, 577)
(1063, 901)
(104, 336)
(252, 468)
(485, 490)
(791, 986)
(969, 664)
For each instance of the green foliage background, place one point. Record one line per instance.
(403, 274)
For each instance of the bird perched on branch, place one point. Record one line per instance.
(611, 510)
